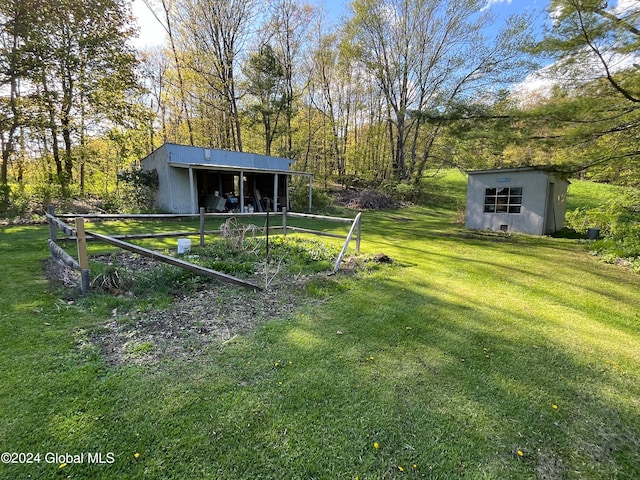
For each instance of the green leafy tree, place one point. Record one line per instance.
(78, 63)
(588, 40)
(593, 118)
(15, 17)
(265, 83)
(424, 55)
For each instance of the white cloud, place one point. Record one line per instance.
(491, 3)
(625, 6)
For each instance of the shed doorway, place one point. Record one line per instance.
(220, 191)
(550, 213)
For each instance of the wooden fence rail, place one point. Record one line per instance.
(174, 261)
(60, 255)
(79, 236)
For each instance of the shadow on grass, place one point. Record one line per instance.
(453, 376)
(457, 388)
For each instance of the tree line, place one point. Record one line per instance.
(392, 90)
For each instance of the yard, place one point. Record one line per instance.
(473, 355)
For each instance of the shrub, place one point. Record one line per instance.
(138, 189)
(299, 198)
(619, 222)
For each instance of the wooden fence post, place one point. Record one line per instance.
(83, 258)
(202, 226)
(284, 221)
(53, 231)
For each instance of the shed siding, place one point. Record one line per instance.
(173, 183)
(174, 164)
(533, 218)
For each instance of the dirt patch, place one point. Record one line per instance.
(60, 275)
(213, 314)
(191, 324)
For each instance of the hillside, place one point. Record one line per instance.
(472, 355)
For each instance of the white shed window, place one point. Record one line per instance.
(503, 200)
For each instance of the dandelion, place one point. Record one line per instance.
(376, 445)
(554, 406)
(400, 468)
(520, 453)
(136, 455)
(415, 466)
(62, 465)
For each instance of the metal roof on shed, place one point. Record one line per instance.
(231, 168)
(186, 154)
(515, 169)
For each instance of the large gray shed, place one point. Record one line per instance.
(525, 199)
(219, 180)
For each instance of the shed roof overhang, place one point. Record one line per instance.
(236, 169)
(546, 169)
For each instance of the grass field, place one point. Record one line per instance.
(475, 355)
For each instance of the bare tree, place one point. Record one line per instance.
(214, 33)
(166, 19)
(287, 28)
(422, 54)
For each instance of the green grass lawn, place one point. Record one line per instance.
(475, 355)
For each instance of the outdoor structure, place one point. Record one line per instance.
(526, 199)
(220, 180)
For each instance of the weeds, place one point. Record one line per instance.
(113, 280)
(618, 219)
(238, 236)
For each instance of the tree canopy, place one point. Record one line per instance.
(393, 89)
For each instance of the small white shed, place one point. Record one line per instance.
(190, 178)
(525, 199)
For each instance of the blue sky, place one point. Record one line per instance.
(152, 33)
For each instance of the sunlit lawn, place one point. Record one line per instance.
(475, 355)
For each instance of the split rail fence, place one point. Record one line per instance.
(78, 234)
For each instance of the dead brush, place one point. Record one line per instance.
(239, 237)
(114, 280)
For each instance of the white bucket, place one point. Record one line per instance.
(184, 245)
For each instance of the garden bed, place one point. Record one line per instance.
(207, 317)
(166, 312)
